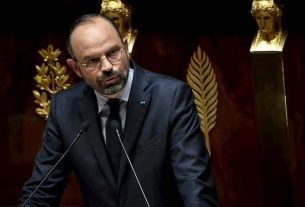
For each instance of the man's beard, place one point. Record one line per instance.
(112, 89)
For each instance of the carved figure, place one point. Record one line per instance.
(120, 14)
(268, 17)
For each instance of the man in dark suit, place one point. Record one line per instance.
(169, 165)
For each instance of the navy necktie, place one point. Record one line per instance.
(113, 144)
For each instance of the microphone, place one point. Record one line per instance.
(83, 127)
(115, 125)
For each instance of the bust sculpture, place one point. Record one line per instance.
(120, 14)
(270, 35)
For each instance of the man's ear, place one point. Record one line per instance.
(72, 64)
(125, 43)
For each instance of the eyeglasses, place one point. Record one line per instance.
(113, 57)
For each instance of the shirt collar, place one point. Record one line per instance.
(122, 95)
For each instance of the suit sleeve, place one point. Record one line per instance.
(189, 157)
(49, 193)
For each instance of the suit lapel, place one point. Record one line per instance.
(137, 106)
(88, 110)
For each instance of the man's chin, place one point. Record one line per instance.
(112, 90)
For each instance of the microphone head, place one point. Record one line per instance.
(84, 125)
(115, 124)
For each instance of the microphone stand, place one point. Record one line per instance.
(114, 124)
(83, 128)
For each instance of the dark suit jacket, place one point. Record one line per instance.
(162, 137)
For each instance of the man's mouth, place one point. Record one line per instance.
(110, 81)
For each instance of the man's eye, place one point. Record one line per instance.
(94, 60)
(113, 53)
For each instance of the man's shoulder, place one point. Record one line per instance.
(156, 78)
(76, 89)
(152, 75)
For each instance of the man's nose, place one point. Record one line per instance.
(105, 65)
